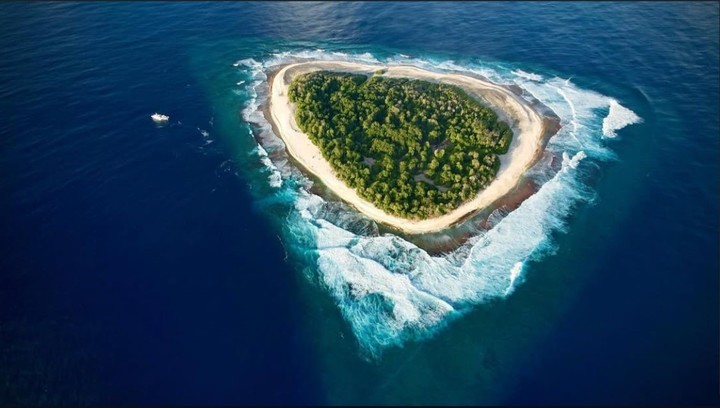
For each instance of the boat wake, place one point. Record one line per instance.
(391, 291)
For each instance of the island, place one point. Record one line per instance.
(410, 148)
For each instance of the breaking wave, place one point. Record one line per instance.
(618, 117)
(388, 289)
(275, 178)
(527, 75)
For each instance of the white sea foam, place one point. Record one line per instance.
(287, 56)
(515, 273)
(247, 62)
(527, 75)
(390, 290)
(618, 117)
(275, 178)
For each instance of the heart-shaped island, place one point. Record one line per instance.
(413, 149)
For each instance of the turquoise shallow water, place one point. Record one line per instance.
(188, 263)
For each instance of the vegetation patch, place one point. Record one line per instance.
(413, 148)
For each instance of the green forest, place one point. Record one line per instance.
(413, 148)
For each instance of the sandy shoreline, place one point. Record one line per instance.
(527, 124)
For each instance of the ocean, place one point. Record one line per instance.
(192, 263)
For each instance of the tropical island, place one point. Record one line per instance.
(410, 148)
(413, 148)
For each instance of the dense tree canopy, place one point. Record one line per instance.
(413, 148)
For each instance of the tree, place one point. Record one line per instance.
(407, 129)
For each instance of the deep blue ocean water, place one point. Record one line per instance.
(145, 264)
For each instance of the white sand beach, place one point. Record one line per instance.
(526, 123)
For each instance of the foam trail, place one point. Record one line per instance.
(527, 75)
(388, 289)
(515, 273)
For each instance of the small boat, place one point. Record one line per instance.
(159, 118)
